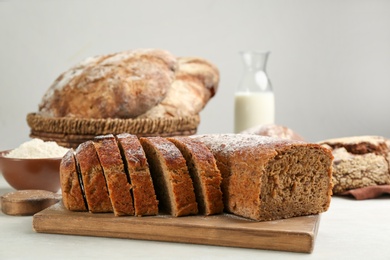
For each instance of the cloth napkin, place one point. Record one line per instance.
(370, 192)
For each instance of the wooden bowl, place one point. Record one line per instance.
(31, 174)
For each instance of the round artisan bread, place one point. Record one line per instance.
(120, 85)
(139, 83)
(359, 162)
(273, 130)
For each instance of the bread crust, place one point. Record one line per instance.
(359, 144)
(196, 82)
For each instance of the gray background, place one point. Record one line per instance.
(329, 62)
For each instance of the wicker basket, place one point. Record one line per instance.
(70, 132)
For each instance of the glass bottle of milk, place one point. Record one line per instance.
(254, 97)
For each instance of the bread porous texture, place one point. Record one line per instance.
(296, 182)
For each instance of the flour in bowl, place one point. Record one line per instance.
(37, 148)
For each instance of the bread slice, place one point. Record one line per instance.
(72, 193)
(265, 178)
(170, 175)
(204, 174)
(95, 188)
(145, 202)
(114, 171)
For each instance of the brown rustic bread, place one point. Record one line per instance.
(272, 130)
(360, 144)
(172, 181)
(265, 178)
(359, 162)
(120, 85)
(145, 202)
(195, 84)
(205, 175)
(93, 181)
(72, 194)
(114, 171)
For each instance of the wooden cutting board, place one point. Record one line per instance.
(294, 234)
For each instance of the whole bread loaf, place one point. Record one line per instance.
(120, 85)
(359, 162)
(130, 84)
(266, 178)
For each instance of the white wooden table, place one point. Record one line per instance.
(350, 229)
